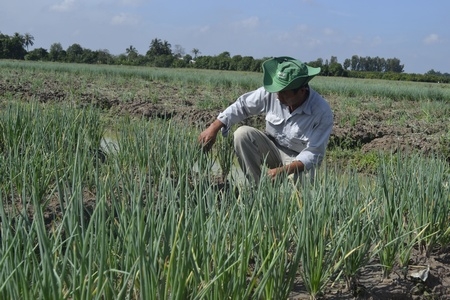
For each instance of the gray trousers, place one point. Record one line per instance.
(254, 149)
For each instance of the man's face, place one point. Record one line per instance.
(292, 98)
(286, 97)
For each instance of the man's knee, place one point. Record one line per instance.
(242, 134)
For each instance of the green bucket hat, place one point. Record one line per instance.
(286, 73)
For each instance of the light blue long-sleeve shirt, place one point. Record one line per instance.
(305, 131)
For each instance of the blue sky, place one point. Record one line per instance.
(416, 32)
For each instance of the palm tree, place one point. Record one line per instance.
(158, 48)
(195, 51)
(131, 51)
(28, 40)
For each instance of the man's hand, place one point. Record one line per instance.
(273, 173)
(295, 166)
(208, 137)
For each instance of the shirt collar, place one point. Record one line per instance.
(305, 108)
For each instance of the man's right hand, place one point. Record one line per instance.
(208, 137)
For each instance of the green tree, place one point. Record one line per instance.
(187, 58)
(379, 64)
(433, 72)
(28, 40)
(121, 59)
(18, 37)
(362, 65)
(56, 53)
(3, 45)
(335, 69)
(225, 55)
(355, 63)
(104, 57)
(223, 61)
(318, 63)
(179, 62)
(74, 53)
(235, 62)
(163, 61)
(245, 64)
(87, 56)
(37, 54)
(347, 64)
(203, 62)
(393, 65)
(12, 47)
(257, 65)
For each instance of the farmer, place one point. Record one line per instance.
(298, 123)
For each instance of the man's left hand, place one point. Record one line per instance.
(273, 173)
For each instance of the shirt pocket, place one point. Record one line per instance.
(273, 119)
(299, 141)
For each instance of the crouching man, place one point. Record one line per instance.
(298, 123)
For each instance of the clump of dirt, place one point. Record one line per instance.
(372, 132)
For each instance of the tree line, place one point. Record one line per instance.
(162, 54)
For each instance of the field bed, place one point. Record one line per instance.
(131, 218)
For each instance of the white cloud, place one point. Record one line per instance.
(376, 41)
(341, 13)
(313, 43)
(124, 19)
(249, 23)
(283, 36)
(302, 28)
(131, 2)
(431, 39)
(76, 33)
(311, 2)
(328, 31)
(66, 5)
(357, 40)
(204, 29)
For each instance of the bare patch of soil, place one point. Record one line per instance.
(400, 284)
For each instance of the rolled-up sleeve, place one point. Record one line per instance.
(249, 104)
